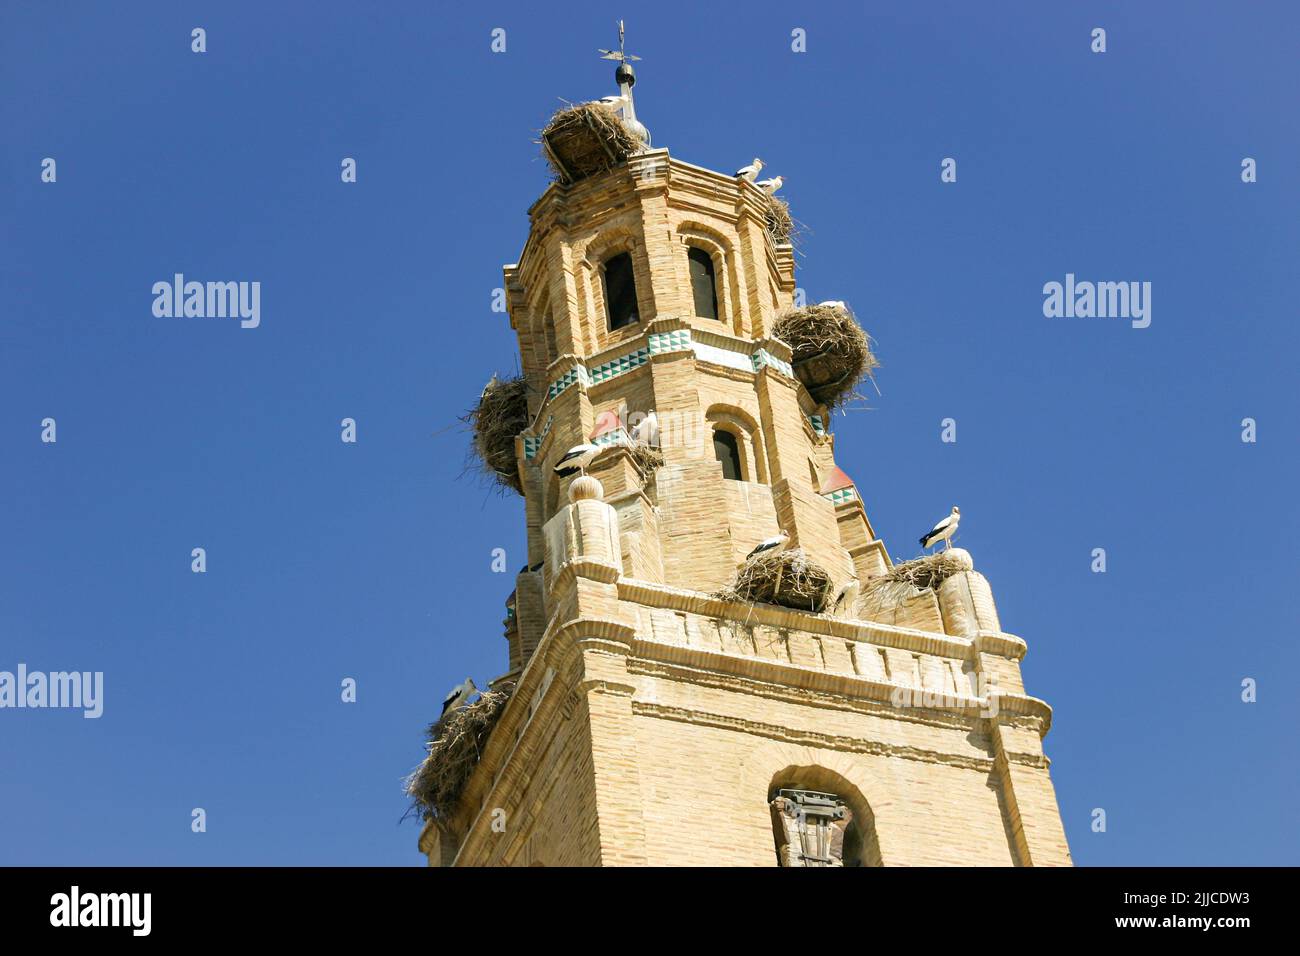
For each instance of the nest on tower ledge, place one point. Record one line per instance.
(786, 578)
(500, 415)
(585, 140)
(886, 596)
(455, 746)
(645, 456)
(928, 571)
(780, 224)
(831, 351)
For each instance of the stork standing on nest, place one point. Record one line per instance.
(647, 429)
(943, 531)
(459, 696)
(778, 540)
(770, 186)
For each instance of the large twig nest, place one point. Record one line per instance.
(929, 571)
(787, 578)
(831, 351)
(904, 594)
(455, 746)
(586, 139)
(500, 415)
(780, 224)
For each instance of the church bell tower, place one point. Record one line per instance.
(654, 718)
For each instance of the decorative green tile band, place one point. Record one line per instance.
(763, 357)
(678, 341)
(573, 376)
(615, 367)
(844, 494)
(531, 443)
(658, 343)
(817, 426)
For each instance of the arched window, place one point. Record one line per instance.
(727, 450)
(703, 284)
(620, 292)
(734, 428)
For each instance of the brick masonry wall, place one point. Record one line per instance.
(676, 724)
(651, 721)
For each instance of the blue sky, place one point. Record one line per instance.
(372, 561)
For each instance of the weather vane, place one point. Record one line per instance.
(618, 54)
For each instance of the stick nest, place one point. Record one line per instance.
(585, 140)
(786, 578)
(500, 415)
(831, 351)
(780, 224)
(929, 571)
(455, 746)
(645, 456)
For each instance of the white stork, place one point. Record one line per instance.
(459, 696)
(492, 383)
(846, 598)
(778, 540)
(770, 186)
(943, 531)
(647, 429)
(750, 172)
(577, 459)
(834, 304)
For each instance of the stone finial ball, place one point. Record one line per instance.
(586, 488)
(962, 557)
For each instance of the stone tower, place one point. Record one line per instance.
(651, 721)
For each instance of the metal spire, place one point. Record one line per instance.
(625, 77)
